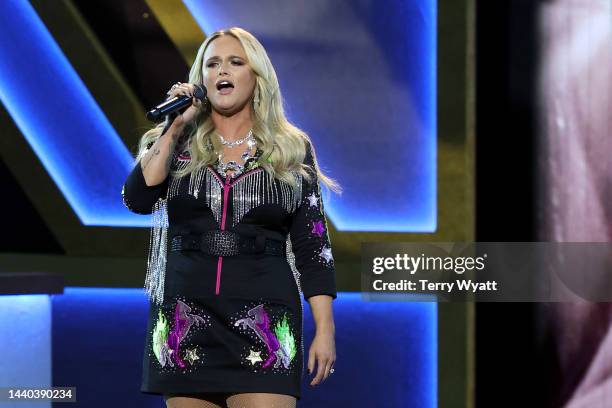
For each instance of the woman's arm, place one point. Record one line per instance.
(149, 179)
(310, 240)
(155, 164)
(313, 259)
(323, 349)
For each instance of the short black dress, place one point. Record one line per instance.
(230, 324)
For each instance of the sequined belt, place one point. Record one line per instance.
(227, 243)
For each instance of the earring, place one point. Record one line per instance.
(256, 100)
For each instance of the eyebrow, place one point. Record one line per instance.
(215, 57)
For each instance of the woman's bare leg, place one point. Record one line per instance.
(195, 400)
(261, 400)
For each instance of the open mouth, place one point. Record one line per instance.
(225, 86)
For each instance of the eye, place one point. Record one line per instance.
(237, 62)
(211, 64)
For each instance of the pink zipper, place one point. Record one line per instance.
(226, 187)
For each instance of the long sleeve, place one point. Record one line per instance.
(137, 196)
(310, 240)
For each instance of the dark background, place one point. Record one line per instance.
(512, 366)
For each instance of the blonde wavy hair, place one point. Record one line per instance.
(283, 144)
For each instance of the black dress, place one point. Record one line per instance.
(230, 323)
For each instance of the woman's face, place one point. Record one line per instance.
(228, 78)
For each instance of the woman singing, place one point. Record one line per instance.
(239, 231)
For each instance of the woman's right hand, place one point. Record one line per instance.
(187, 116)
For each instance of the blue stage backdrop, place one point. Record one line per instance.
(73, 140)
(359, 77)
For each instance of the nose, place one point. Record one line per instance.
(222, 69)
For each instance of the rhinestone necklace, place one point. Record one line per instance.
(248, 137)
(233, 165)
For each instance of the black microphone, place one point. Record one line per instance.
(174, 105)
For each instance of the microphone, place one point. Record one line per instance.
(174, 105)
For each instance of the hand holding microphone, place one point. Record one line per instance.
(180, 96)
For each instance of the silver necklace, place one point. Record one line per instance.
(233, 165)
(248, 137)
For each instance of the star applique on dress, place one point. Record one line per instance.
(313, 200)
(318, 228)
(254, 357)
(192, 355)
(326, 254)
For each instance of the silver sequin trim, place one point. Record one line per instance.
(175, 182)
(156, 264)
(296, 276)
(259, 188)
(249, 191)
(158, 243)
(291, 261)
(214, 193)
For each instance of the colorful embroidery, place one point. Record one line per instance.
(277, 336)
(313, 200)
(313, 205)
(318, 228)
(192, 355)
(168, 343)
(183, 321)
(160, 336)
(326, 254)
(251, 165)
(286, 340)
(254, 356)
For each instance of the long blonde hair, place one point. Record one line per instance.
(283, 144)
